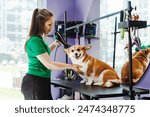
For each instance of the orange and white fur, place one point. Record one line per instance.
(140, 60)
(96, 72)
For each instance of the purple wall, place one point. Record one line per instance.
(80, 10)
(58, 7)
(88, 10)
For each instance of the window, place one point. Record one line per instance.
(107, 26)
(14, 22)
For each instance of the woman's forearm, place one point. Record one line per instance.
(45, 60)
(52, 46)
(58, 66)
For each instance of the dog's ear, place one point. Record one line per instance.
(87, 47)
(147, 51)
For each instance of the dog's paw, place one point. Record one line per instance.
(88, 83)
(136, 80)
(108, 84)
(98, 83)
(83, 81)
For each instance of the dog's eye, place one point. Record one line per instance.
(78, 50)
(72, 50)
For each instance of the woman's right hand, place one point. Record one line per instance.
(57, 43)
(76, 68)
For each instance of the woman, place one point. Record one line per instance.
(36, 83)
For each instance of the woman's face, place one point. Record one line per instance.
(48, 25)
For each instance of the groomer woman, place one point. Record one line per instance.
(36, 83)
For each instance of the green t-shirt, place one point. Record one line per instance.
(36, 46)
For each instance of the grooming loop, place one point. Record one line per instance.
(136, 39)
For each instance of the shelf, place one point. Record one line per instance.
(137, 24)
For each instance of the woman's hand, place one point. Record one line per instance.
(76, 68)
(56, 43)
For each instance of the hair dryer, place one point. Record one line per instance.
(60, 38)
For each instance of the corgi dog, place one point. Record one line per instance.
(140, 60)
(96, 72)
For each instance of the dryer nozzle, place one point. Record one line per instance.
(60, 38)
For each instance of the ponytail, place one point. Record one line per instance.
(39, 17)
(33, 27)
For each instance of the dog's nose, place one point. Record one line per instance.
(76, 54)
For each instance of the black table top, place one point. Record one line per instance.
(95, 91)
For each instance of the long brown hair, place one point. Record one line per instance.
(39, 17)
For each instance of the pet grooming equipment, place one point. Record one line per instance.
(59, 27)
(58, 36)
(90, 29)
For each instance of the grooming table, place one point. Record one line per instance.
(96, 92)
